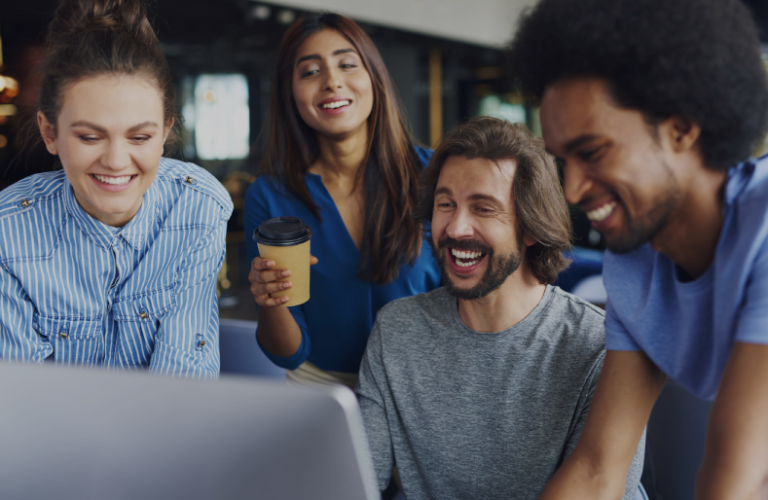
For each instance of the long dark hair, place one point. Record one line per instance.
(88, 38)
(389, 172)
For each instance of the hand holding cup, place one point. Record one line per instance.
(266, 280)
(283, 252)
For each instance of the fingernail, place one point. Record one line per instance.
(287, 284)
(269, 263)
(286, 273)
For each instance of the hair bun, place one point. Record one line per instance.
(73, 17)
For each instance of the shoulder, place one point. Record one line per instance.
(423, 154)
(267, 186)
(28, 209)
(575, 307)
(30, 192)
(199, 183)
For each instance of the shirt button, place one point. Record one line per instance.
(24, 203)
(143, 315)
(63, 335)
(189, 180)
(201, 343)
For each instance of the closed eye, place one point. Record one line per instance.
(589, 154)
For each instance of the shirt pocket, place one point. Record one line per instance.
(74, 340)
(138, 321)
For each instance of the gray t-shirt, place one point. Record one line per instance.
(480, 415)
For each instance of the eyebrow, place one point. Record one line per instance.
(317, 56)
(579, 141)
(98, 128)
(473, 197)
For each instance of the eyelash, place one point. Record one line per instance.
(88, 139)
(313, 71)
(589, 154)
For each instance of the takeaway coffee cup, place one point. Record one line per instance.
(286, 241)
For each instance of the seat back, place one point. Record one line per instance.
(240, 354)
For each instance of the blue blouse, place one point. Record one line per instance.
(337, 319)
(73, 290)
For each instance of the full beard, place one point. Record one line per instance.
(498, 269)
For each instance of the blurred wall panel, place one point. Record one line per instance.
(482, 22)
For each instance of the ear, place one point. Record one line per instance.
(683, 133)
(48, 131)
(168, 127)
(529, 240)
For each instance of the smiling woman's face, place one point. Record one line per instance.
(331, 87)
(109, 136)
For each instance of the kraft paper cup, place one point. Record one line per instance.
(286, 241)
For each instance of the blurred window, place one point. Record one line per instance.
(219, 116)
(493, 105)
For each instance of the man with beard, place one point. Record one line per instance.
(654, 108)
(480, 389)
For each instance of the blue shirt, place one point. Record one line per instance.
(688, 328)
(74, 290)
(337, 319)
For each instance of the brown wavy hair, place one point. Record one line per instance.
(540, 206)
(89, 38)
(389, 172)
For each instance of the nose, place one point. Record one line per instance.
(333, 80)
(460, 225)
(116, 156)
(577, 183)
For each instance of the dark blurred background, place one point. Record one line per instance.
(445, 57)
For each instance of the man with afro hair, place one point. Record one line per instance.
(653, 108)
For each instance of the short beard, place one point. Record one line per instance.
(496, 273)
(644, 228)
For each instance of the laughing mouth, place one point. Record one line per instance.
(115, 181)
(335, 104)
(466, 259)
(602, 212)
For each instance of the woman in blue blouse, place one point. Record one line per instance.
(113, 260)
(339, 157)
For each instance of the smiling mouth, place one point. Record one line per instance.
(113, 180)
(466, 259)
(335, 104)
(602, 212)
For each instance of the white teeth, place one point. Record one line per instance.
(117, 181)
(475, 256)
(336, 104)
(465, 255)
(600, 214)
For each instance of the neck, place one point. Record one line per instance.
(341, 157)
(506, 306)
(690, 237)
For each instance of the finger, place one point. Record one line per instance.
(260, 264)
(274, 275)
(278, 287)
(312, 260)
(273, 302)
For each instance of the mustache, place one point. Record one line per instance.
(467, 245)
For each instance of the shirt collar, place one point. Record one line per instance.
(102, 235)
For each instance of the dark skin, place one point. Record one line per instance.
(613, 158)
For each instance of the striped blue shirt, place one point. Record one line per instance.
(74, 290)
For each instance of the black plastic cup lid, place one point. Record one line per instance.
(282, 232)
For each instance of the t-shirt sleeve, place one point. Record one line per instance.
(617, 338)
(752, 326)
(256, 212)
(372, 389)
